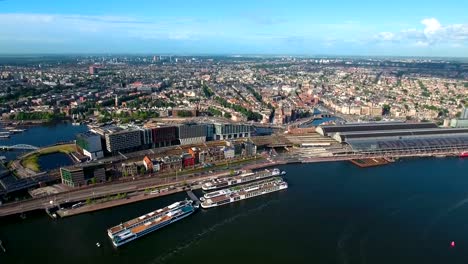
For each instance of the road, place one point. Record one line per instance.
(100, 191)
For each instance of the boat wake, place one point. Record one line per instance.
(441, 215)
(341, 244)
(198, 237)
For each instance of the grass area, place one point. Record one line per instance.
(31, 161)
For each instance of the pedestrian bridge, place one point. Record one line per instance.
(19, 147)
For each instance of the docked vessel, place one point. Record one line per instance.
(242, 192)
(137, 227)
(243, 178)
(17, 130)
(464, 154)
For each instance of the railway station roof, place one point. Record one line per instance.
(412, 142)
(330, 130)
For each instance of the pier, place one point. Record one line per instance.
(365, 163)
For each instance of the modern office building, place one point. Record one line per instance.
(90, 145)
(118, 139)
(164, 136)
(191, 134)
(146, 135)
(209, 132)
(231, 131)
(80, 176)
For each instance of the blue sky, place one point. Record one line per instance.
(333, 27)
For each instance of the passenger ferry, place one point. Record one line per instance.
(243, 178)
(135, 228)
(243, 192)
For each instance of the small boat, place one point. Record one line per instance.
(464, 154)
(98, 244)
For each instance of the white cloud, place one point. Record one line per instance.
(386, 36)
(420, 43)
(433, 33)
(432, 26)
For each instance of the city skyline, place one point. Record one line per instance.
(427, 28)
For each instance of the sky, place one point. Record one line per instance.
(288, 27)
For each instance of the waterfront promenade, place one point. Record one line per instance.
(139, 184)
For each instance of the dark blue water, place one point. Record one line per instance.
(54, 161)
(406, 212)
(43, 135)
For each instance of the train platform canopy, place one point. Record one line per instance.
(344, 137)
(331, 130)
(413, 142)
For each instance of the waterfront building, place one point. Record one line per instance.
(90, 145)
(231, 131)
(118, 139)
(229, 152)
(250, 149)
(191, 134)
(209, 132)
(171, 163)
(122, 140)
(151, 165)
(188, 160)
(146, 137)
(79, 176)
(132, 168)
(164, 136)
(195, 152)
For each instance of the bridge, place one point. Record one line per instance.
(19, 147)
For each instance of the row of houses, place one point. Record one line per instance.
(193, 157)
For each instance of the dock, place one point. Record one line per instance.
(193, 197)
(365, 163)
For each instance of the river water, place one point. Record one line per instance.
(405, 212)
(43, 135)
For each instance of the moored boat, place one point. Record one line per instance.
(145, 224)
(240, 179)
(243, 192)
